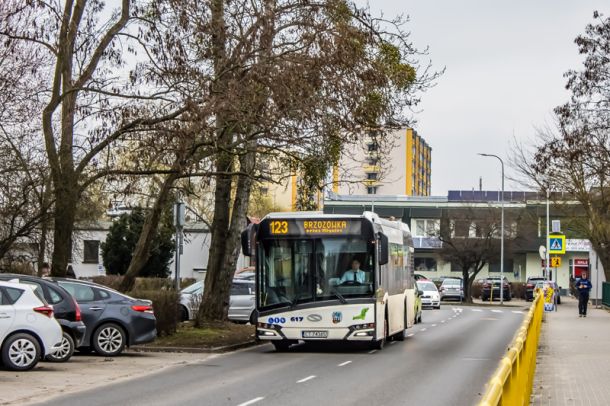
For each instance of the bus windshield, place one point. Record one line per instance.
(304, 270)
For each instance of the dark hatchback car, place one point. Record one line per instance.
(66, 311)
(114, 320)
(490, 290)
(530, 286)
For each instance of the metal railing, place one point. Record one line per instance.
(606, 294)
(511, 384)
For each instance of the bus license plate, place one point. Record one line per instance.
(315, 334)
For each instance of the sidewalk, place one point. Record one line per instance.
(573, 363)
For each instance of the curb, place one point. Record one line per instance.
(195, 350)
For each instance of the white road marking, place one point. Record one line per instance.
(442, 321)
(310, 377)
(344, 363)
(476, 310)
(517, 312)
(497, 311)
(423, 329)
(410, 335)
(434, 325)
(372, 351)
(251, 401)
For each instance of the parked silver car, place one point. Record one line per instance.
(452, 289)
(241, 305)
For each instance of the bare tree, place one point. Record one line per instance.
(574, 156)
(471, 240)
(287, 80)
(92, 99)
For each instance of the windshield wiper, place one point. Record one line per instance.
(339, 295)
(296, 300)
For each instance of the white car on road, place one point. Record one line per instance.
(429, 294)
(28, 330)
(241, 305)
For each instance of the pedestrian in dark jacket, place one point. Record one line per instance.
(583, 286)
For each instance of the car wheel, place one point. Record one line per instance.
(65, 350)
(21, 352)
(109, 340)
(184, 313)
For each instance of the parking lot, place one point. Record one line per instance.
(84, 372)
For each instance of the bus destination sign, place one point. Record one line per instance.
(315, 227)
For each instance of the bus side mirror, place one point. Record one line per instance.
(246, 246)
(384, 249)
(247, 239)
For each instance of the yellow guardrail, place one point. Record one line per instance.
(512, 382)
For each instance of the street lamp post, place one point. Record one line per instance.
(501, 229)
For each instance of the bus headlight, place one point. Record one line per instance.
(266, 333)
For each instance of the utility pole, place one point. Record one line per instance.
(547, 264)
(179, 224)
(501, 230)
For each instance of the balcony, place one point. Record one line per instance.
(427, 243)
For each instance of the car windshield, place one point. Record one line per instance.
(197, 286)
(426, 286)
(304, 270)
(452, 282)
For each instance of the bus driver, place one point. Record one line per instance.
(353, 275)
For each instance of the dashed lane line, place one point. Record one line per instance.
(410, 335)
(476, 310)
(344, 363)
(372, 351)
(434, 325)
(251, 401)
(517, 311)
(423, 329)
(309, 378)
(497, 311)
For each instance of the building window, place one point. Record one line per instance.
(264, 190)
(427, 227)
(371, 190)
(425, 264)
(91, 252)
(508, 266)
(372, 146)
(373, 161)
(371, 176)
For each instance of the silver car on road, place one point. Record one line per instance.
(241, 305)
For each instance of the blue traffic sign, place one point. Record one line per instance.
(557, 244)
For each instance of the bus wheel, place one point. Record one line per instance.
(281, 346)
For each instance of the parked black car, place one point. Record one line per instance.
(113, 320)
(530, 285)
(66, 311)
(491, 289)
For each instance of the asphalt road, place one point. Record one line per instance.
(446, 360)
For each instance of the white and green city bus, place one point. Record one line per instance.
(303, 292)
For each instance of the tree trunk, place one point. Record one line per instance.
(141, 253)
(66, 200)
(467, 283)
(224, 249)
(42, 245)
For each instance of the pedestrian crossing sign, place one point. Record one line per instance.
(557, 244)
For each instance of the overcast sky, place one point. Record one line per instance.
(505, 63)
